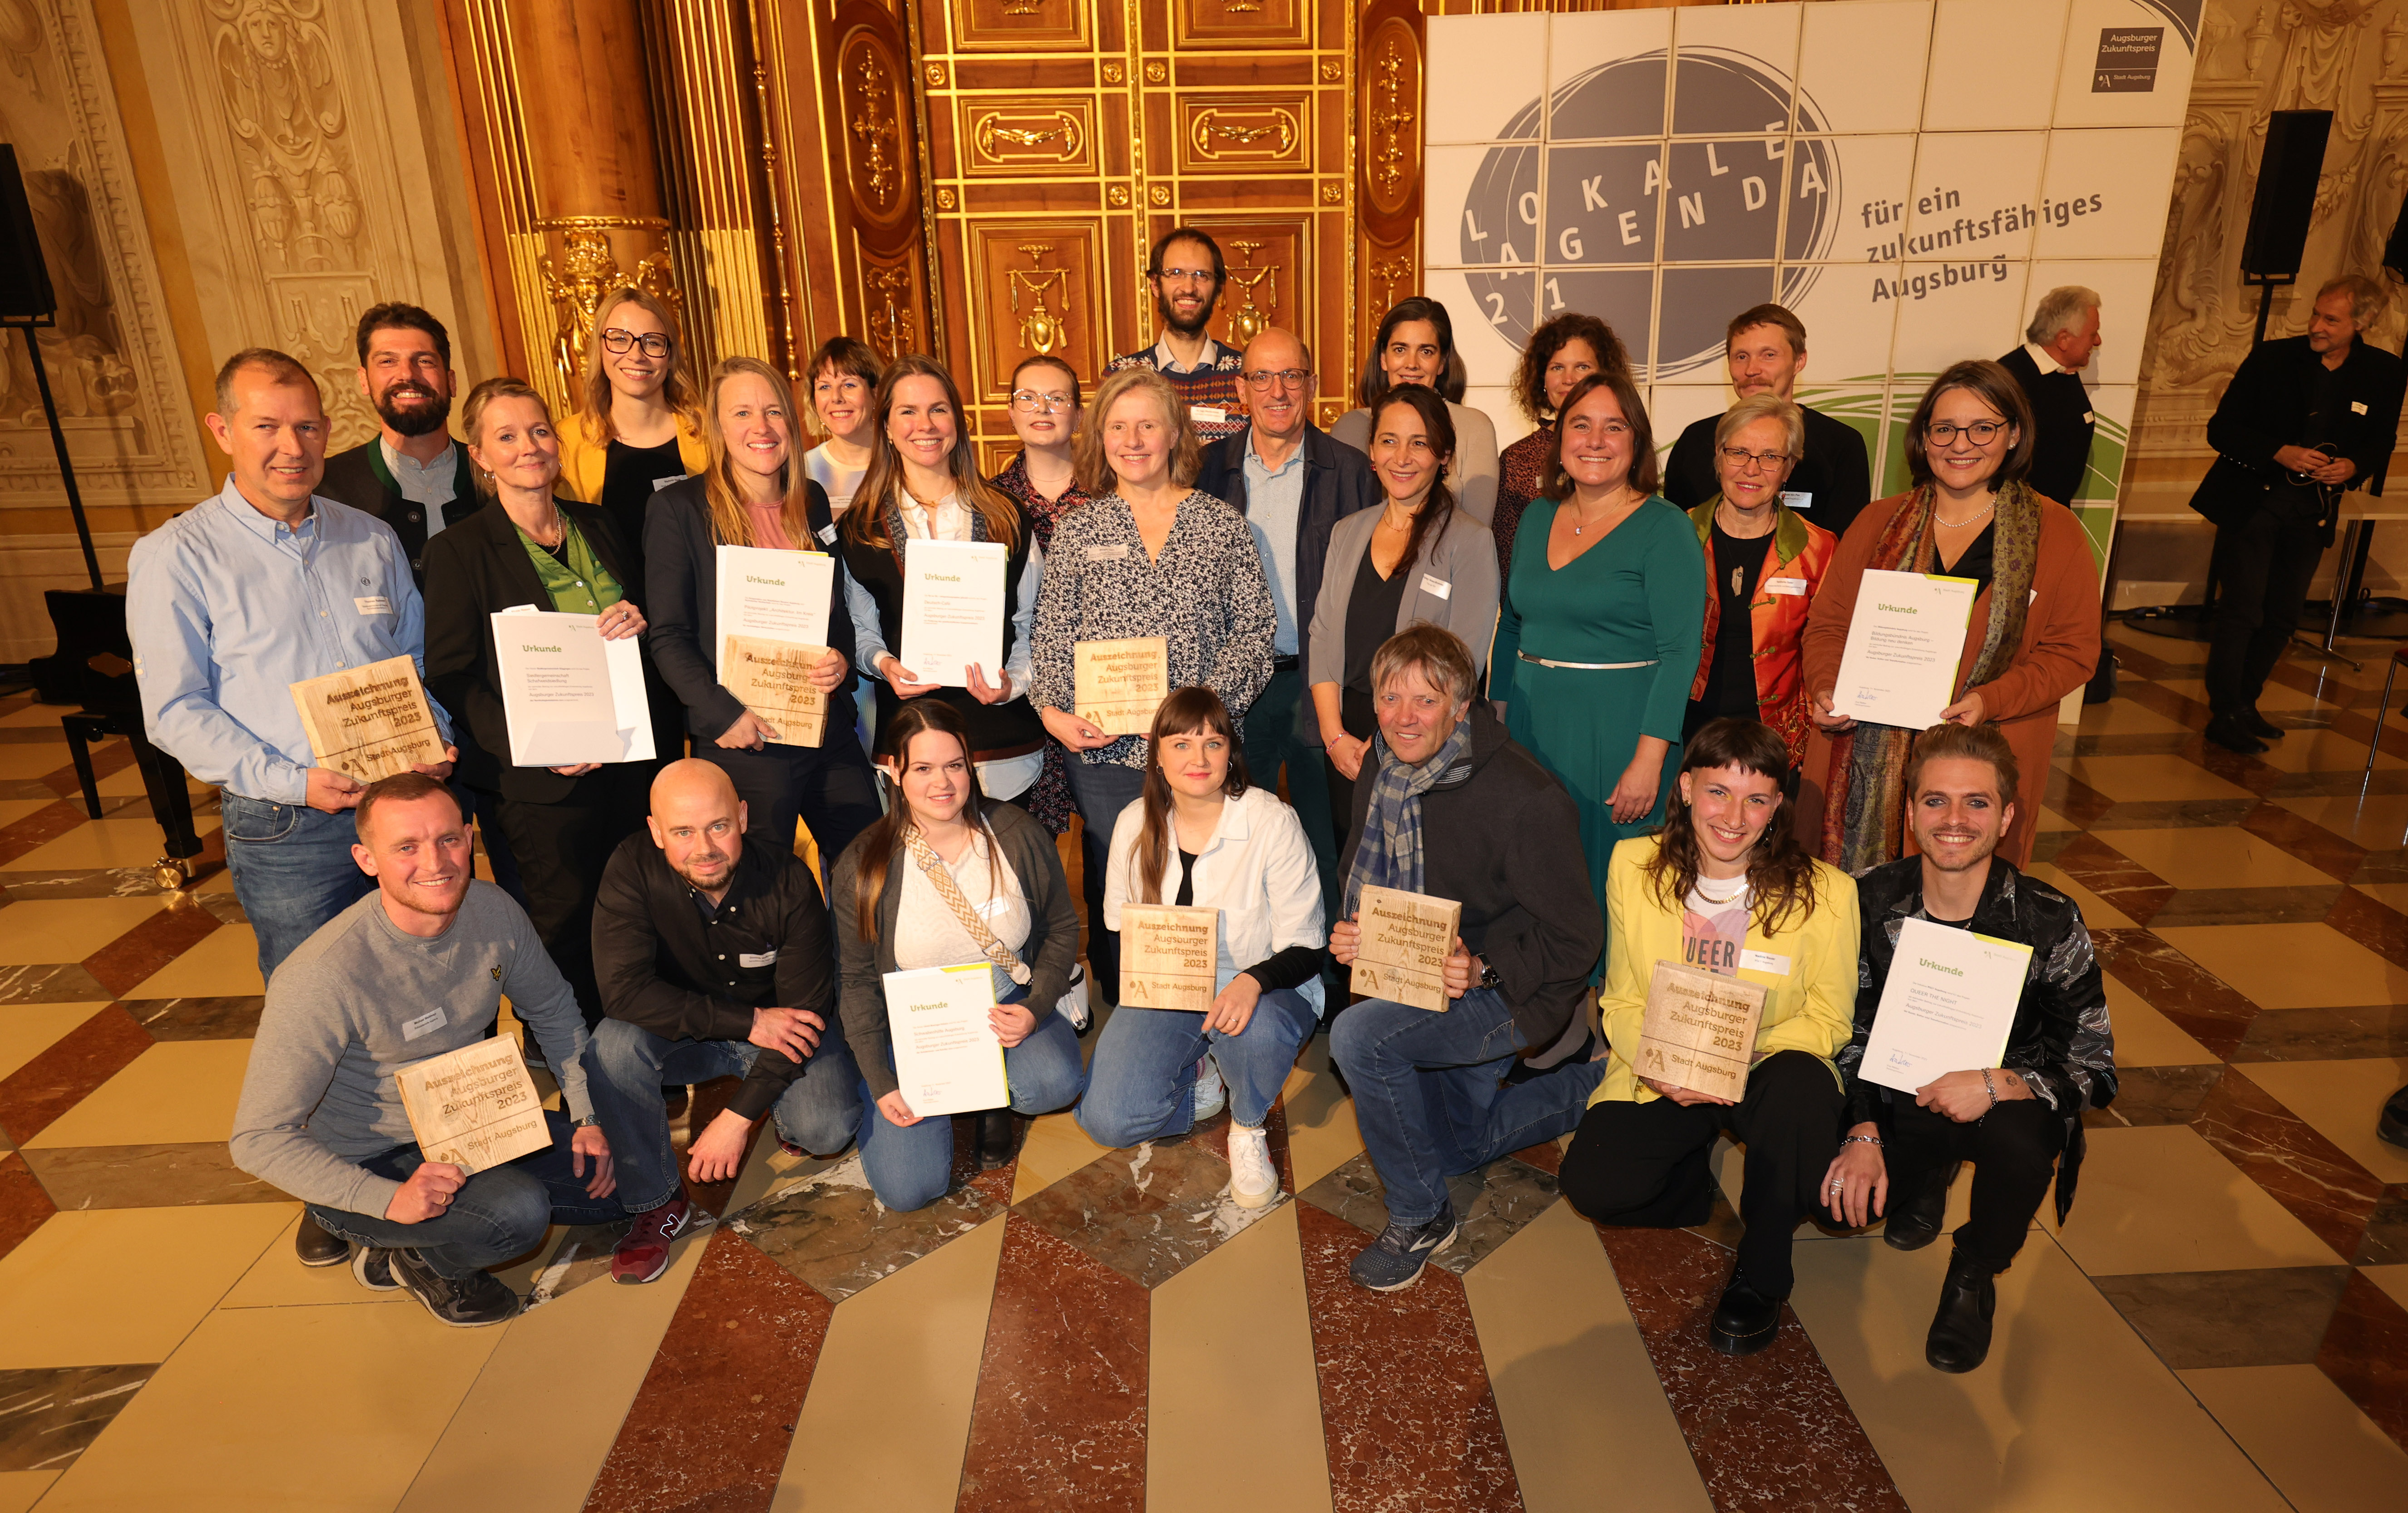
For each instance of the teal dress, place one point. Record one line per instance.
(1636, 596)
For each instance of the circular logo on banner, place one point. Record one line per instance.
(1662, 197)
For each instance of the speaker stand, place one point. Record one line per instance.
(59, 444)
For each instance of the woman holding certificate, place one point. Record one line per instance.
(943, 880)
(1598, 632)
(538, 553)
(921, 496)
(1203, 838)
(2033, 637)
(753, 496)
(1724, 895)
(1166, 571)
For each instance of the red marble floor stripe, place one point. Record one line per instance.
(39, 828)
(2365, 1352)
(2233, 767)
(2074, 799)
(1768, 1431)
(2307, 1174)
(2207, 1009)
(24, 1204)
(110, 757)
(2377, 926)
(2312, 843)
(1407, 1412)
(2139, 661)
(2158, 699)
(130, 960)
(1546, 1155)
(1060, 1418)
(64, 1075)
(713, 1421)
(2133, 888)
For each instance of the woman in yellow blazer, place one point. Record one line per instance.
(638, 420)
(1724, 887)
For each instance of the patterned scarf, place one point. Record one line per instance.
(1864, 816)
(940, 877)
(1390, 855)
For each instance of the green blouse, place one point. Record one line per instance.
(580, 586)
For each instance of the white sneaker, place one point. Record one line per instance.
(1254, 1181)
(1211, 1094)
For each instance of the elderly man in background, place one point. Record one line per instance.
(2057, 346)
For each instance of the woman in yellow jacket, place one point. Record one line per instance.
(1724, 888)
(637, 421)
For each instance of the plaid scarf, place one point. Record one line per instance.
(1390, 855)
(1865, 816)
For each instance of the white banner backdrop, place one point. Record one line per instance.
(1908, 175)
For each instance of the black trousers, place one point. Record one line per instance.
(2013, 1149)
(1645, 1166)
(829, 787)
(562, 849)
(2264, 563)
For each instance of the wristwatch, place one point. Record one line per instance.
(589, 1121)
(1489, 978)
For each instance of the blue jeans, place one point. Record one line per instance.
(1431, 1099)
(1283, 730)
(910, 1166)
(1143, 1082)
(627, 1064)
(497, 1215)
(293, 870)
(1101, 790)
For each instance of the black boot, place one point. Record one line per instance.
(2393, 1125)
(1745, 1321)
(1961, 1332)
(995, 1137)
(1914, 1217)
(2258, 726)
(2231, 732)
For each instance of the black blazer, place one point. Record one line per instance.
(1833, 471)
(2063, 423)
(993, 727)
(682, 571)
(474, 570)
(2266, 406)
(359, 477)
(1337, 482)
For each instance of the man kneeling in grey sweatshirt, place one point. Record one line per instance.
(413, 970)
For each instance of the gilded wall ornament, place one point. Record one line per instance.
(1041, 330)
(585, 274)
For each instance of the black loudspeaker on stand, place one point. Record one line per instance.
(2284, 201)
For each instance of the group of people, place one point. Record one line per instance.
(1589, 701)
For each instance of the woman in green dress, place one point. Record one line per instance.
(1598, 632)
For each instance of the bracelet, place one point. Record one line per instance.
(1873, 1140)
(1989, 1086)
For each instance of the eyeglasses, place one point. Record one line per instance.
(1981, 433)
(1752, 462)
(1029, 402)
(1281, 378)
(1186, 276)
(619, 340)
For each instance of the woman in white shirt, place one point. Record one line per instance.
(1200, 836)
(945, 880)
(843, 372)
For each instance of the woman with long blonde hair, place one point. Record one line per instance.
(636, 425)
(753, 491)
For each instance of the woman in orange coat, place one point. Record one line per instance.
(2033, 636)
(1764, 564)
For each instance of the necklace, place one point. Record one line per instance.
(1578, 526)
(1958, 525)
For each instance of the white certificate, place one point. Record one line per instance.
(953, 609)
(773, 596)
(1904, 640)
(947, 1058)
(571, 696)
(1948, 1007)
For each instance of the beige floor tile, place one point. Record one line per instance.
(2145, 1038)
(116, 1285)
(27, 1030)
(2322, 750)
(2071, 1411)
(768, 1170)
(2051, 820)
(1055, 1148)
(330, 1409)
(2291, 965)
(1231, 1364)
(1580, 1400)
(104, 843)
(2194, 856)
(224, 965)
(2378, 822)
(2392, 1279)
(1321, 1133)
(21, 760)
(2096, 911)
(67, 929)
(521, 1443)
(2122, 717)
(2151, 777)
(2306, 1436)
(278, 1280)
(14, 809)
(2160, 1198)
(40, 716)
(21, 1489)
(2340, 1100)
(177, 1092)
(889, 1410)
(2277, 697)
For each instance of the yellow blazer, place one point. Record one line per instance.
(1810, 1007)
(585, 454)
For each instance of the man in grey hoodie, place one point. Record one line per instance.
(413, 970)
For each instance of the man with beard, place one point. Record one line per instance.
(715, 961)
(1766, 349)
(1187, 271)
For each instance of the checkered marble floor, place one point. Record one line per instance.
(2223, 1323)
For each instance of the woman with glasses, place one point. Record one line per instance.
(1560, 353)
(1764, 563)
(1599, 630)
(2033, 637)
(1042, 477)
(842, 374)
(1416, 345)
(637, 425)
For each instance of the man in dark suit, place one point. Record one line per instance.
(2305, 418)
(2057, 345)
(1766, 348)
(1293, 482)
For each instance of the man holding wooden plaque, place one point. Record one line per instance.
(1454, 819)
(372, 1051)
(1730, 976)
